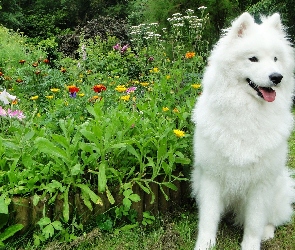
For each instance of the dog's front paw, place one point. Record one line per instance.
(269, 232)
(251, 244)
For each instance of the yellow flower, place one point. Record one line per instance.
(121, 88)
(154, 70)
(54, 90)
(178, 133)
(189, 55)
(196, 86)
(125, 97)
(175, 110)
(168, 77)
(34, 97)
(144, 84)
(165, 109)
(81, 94)
(38, 115)
(49, 96)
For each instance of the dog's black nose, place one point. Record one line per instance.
(276, 78)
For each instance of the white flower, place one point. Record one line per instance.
(5, 97)
(202, 8)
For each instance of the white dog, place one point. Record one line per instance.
(243, 121)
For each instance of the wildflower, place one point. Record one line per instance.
(154, 70)
(73, 90)
(168, 77)
(196, 86)
(37, 72)
(165, 109)
(190, 55)
(54, 90)
(89, 72)
(202, 8)
(95, 98)
(178, 133)
(144, 84)
(131, 90)
(14, 102)
(6, 97)
(38, 115)
(22, 61)
(81, 94)
(1, 74)
(121, 88)
(150, 59)
(34, 98)
(175, 110)
(35, 64)
(124, 48)
(16, 113)
(18, 80)
(117, 47)
(49, 97)
(46, 60)
(99, 88)
(125, 97)
(2, 112)
(63, 70)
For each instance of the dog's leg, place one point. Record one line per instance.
(210, 209)
(255, 221)
(269, 232)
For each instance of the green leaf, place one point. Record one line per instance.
(145, 189)
(57, 225)
(109, 195)
(66, 207)
(48, 231)
(61, 140)
(10, 231)
(44, 221)
(134, 197)
(75, 170)
(170, 185)
(184, 161)
(94, 197)
(47, 147)
(36, 199)
(102, 179)
(3, 206)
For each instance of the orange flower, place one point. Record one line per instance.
(22, 61)
(73, 89)
(99, 88)
(189, 55)
(46, 60)
(1, 73)
(19, 80)
(35, 64)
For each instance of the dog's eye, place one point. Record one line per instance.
(275, 59)
(253, 59)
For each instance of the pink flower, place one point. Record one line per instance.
(2, 112)
(131, 90)
(117, 47)
(16, 113)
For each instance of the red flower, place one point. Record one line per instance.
(73, 89)
(99, 88)
(46, 60)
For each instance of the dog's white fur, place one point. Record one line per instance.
(240, 141)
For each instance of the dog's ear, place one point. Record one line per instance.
(274, 21)
(242, 24)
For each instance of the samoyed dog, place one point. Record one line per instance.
(243, 120)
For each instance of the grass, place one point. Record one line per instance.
(175, 231)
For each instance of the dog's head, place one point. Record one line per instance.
(259, 55)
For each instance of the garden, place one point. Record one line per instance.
(95, 145)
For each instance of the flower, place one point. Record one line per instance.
(49, 97)
(154, 70)
(6, 97)
(35, 64)
(125, 97)
(63, 70)
(178, 133)
(81, 94)
(196, 86)
(2, 112)
(144, 84)
(117, 47)
(54, 90)
(165, 109)
(22, 61)
(190, 55)
(175, 110)
(46, 60)
(18, 80)
(99, 88)
(16, 113)
(73, 90)
(121, 88)
(168, 77)
(95, 98)
(34, 98)
(131, 90)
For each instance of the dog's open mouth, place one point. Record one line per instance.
(267, 93)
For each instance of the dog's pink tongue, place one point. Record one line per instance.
(269, 95)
